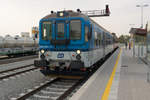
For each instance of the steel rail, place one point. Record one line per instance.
(7, 61)
(16, 68)
(36, 90)
(10, 75)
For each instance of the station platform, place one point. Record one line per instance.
(121, 77)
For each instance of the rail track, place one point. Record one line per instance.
(16, 71)
(56, 89)
(11, 60)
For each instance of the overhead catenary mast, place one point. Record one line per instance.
(97, 13)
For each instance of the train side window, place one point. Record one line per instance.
(75, 29)
(47, 31)
(95, 33)
(90, 33)
(97, 42)
(86, 33)
(104, 38)
(99, 38)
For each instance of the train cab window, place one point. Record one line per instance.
(47, 31)
(86, 33)
(75, 29)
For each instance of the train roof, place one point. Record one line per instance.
(100, 26)
(71, 13)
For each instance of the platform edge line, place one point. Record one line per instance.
(109, 84)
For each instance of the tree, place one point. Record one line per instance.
(124, 38)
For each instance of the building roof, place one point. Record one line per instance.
(138, 31)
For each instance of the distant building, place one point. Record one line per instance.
(138, 31)
(35, 32)
(139, 41)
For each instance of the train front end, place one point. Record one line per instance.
(64, 42)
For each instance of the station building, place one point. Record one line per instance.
(140, 39)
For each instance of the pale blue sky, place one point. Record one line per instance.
(20, 15)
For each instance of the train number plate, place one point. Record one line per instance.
(60, 55)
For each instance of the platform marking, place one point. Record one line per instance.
(113, 95)
(109, 84)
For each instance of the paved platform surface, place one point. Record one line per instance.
(133, 83)
(122, 77)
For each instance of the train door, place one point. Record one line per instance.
(61, 38)
(60, 31)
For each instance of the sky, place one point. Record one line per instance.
(18, 16)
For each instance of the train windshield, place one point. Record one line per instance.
(75, 29)
(47, 31)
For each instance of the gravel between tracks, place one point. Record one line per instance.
(12, 60)
(16, 64)
(11, 87)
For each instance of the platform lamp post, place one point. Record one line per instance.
(142, 6)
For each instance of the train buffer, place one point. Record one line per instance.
(121, 77)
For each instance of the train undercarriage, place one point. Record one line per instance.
(75, 68)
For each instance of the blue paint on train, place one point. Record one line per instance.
(74, 44)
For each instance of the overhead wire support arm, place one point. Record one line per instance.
(97, 13)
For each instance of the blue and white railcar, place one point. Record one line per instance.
(70, 43)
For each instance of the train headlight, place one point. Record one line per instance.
(61, 14)
(78, 51)
(42, 51)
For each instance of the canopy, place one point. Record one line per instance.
(138, 31)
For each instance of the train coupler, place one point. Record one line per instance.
(40, 63)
